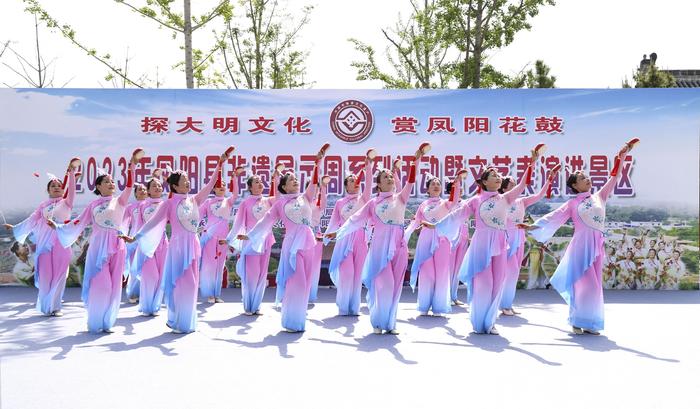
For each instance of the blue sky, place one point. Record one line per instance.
(41, 129)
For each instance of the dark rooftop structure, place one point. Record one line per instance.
(684, 78)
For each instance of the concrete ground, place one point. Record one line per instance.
(648, 357)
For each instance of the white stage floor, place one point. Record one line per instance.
(647, 357)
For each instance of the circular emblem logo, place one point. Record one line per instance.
(351, 121)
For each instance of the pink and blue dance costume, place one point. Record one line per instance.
(316, 214)
(349, 253)
(104, 264)
(132, 223)
(516, 244)
(181, 278)
(484, 265)
(297, 255)
(431, 262)
(457, 253)
(150, 268)
(218, 211)
(385, 265)
(51, 258)
(252, 268)
(578, 277)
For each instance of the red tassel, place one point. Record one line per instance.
(412, 174)
(616, 168)
(528, 178)
(272, 189)
(66, 221)
(130, 179)
(230, 185)
(318, 200)
(170, 195)
(64, 184)
(218, 180)
(314, 180)
(358, 178)
(478, 189)
(549, 191)
(453, 190)
(76, 221)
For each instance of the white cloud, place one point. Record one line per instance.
(25, 151)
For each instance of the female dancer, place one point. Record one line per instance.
(578, 278)
(431, 261)
(457, 253)
(218, 211)
(516, 238)
(484, 265)
(252, 268)
(104, 264)
(349, 252)
(182, 260)
(51, 258)
(150, 267)
(132, 224)
(385, 265)
(296, 258)
(316, 215)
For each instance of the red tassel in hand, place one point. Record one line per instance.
(218, 183)
(412, 174)
(358, 178)
(549, 191)
(452, 190)
(64, 184)
(616, 168)
(129, 179)
(528, 177)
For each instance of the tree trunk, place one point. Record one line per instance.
(478, 41)
(189, 72)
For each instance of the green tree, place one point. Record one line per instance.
(446, 42)
(480, 26)
(163, 12)
(258, 46)
(417, 50)
(651, 77)
(540, 78)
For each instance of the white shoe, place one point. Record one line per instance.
(257, 313)
(424, 314)
(133, 300)
(458, 302)
(377, 331)
(218, 300)
(176, 331)
(108, 330)
(393, 332)
(453, 303)
(577, 330)
(437, 314)
(57, 314)
(493, 331)
(248, 313)
(211, 300)
(591, 332)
